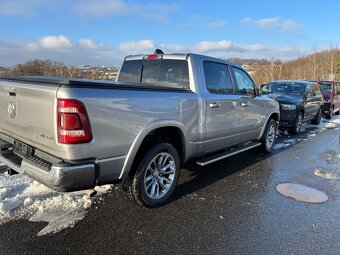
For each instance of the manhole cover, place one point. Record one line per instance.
(302, 193)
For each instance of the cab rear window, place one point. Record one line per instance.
(163, 72)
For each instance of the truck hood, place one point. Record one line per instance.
(286, 99)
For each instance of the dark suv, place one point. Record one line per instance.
(300, 101)
(331, 95)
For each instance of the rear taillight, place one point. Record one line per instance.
(73, 125)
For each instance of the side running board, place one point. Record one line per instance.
(225, 154)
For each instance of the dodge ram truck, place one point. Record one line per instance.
(164, 109)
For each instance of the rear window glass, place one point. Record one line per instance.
(325, 87)
(166, 73)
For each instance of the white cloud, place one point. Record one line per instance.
(88, 52)
(88, 43)
(228, 49)
(138, 46)
(22, 8)
(172, 48)
(217, 24)
(55, 42)
(105, 8)
(290, 25)
(224, 45)
(273, 23)
(10, 8)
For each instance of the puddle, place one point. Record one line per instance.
(302, 193)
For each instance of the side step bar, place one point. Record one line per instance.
(222, 155)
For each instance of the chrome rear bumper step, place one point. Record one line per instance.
(225, 154)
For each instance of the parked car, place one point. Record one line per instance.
(300, 101)
(164, 109)
(331, 95)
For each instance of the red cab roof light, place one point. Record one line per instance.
(153, 56)
(73, 125)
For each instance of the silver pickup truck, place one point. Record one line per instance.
(164, 109)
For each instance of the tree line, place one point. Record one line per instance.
(323, 65)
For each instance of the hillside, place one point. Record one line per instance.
(323, 65)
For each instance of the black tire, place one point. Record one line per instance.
(295, 129)
(317, 119)
(154, 176)
(269, 136)
(330, 115)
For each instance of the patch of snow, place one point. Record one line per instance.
(23, 198)
(326, 174)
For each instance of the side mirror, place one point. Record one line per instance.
(265, 89)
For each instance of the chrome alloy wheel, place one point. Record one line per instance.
(159, 175)
(271, 134)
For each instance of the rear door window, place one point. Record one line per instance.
(217, 78)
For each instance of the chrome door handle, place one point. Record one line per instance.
(214, 105)
(244, 104)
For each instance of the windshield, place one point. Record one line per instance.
(287, 88)
(165, 72)
(325, 88)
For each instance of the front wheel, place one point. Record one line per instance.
(295, 129)
(156, 176)
(268, 138)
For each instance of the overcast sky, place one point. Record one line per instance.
(102, 32)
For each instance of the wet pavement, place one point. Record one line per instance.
(230, 207)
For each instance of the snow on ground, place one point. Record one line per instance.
(334, 123)
(326, 174)
(23, 198)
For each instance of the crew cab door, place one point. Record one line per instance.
(250, 107)
(222, 116)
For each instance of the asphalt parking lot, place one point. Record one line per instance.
(230, 207)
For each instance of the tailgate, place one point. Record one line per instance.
(27, 113)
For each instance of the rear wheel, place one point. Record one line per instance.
(156, 176)
(317, 119)
(295, 129)
(268, 138)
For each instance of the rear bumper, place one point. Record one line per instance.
(59, 176)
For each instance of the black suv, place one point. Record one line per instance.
(300, 101)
